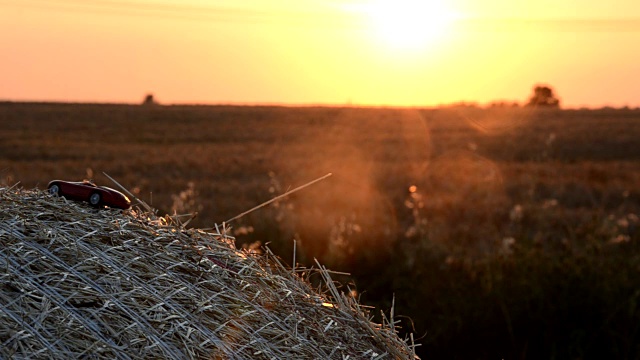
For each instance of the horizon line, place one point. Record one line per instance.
(496, 104)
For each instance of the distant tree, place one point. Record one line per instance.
(149, 100)
(543, 96)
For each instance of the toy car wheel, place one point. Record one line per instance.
(54, 190)
(95, 199)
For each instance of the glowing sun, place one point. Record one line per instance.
(409, 24)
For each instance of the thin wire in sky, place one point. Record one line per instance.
(335, 19)
(181, 12)
(584, 25)
(121, 8)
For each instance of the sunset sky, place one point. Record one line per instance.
(331, 52)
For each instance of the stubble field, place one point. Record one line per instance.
(511, 230)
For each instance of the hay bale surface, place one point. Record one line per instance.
(79, 282)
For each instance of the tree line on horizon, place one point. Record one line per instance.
(543, 96)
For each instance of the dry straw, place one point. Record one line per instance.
(80, 282)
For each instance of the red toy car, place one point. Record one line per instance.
(89, 192)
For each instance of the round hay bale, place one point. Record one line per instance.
(80, 282)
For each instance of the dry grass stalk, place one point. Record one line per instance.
(78, 282)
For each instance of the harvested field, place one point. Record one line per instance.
(80, 282)
(531, 214)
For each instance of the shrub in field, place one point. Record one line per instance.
(543, 96)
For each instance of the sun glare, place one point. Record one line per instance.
(409, 24)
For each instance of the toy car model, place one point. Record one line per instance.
(97, 196)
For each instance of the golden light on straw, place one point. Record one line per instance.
(112, 284)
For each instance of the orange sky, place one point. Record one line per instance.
(320, 51)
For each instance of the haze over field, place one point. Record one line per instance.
(359, 52)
